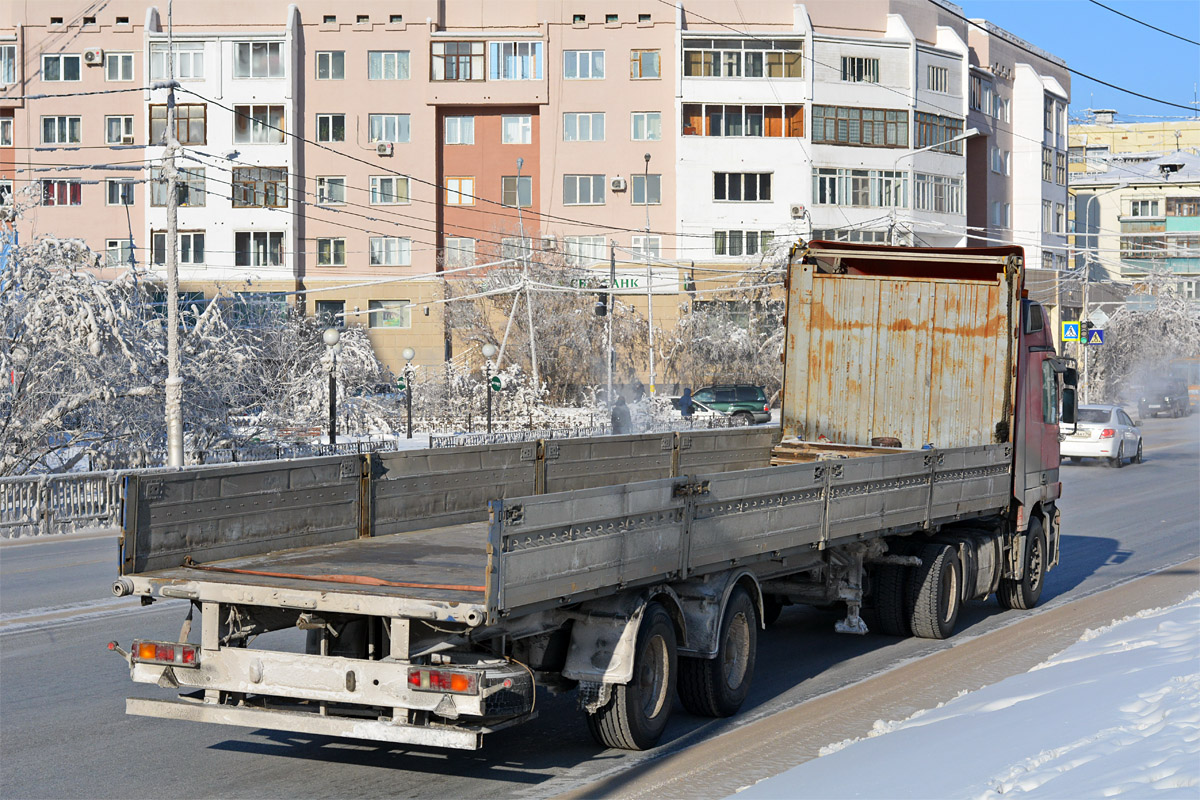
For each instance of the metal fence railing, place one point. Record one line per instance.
(50, 504)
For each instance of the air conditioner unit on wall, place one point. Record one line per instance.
(797, 210)
(618, 184)
(549, 242)
(127, 139)
(384, 148)
(93, 57)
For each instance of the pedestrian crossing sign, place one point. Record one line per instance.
(1070, 331)
(1095, 336)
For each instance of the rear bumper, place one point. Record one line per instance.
(1088, 448)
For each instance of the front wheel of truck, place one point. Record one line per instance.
(1026, 592)
(637, 714)
(717, 687)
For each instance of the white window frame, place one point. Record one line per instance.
(6, 131)
(745, 242)
(62, 59)
(59, 183)
(331, 190)
(334, 254)
(124, 191)
(742, 180)
(572, 60)
(386, 190)
(63, 135)
(191, 182)
(248, 71)
(458, 251)
(636, 181)
(638, 62)
(647, 246)
(937, 79)
(189, 61)
(515, 248)
(388, 65)
(124, 66)
(582, 251)
(515, 60)
(378, 128)
(118, 252)
(459, 129)
(256, 130)
(460, 190)
(334, 61)
(860, 69)
(520, 124)
(329, 120)
(1144, 208)
(578, 186)
(390, 251)
(651, 126)
(186, 256)
(267, 238)
(514, 184)
(574, 123)
(125, 121)
(8, 64)
(940, 194)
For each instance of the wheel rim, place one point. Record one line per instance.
(1034, 568)
(1139, 455)
(735, 651)
(949, 594)
(652, 683)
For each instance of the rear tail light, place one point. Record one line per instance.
(1107, 433)
(766, 409)
(173, 653)
(425, 679)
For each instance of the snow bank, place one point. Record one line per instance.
(1117, 713)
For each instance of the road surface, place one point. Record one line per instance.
(63, 731)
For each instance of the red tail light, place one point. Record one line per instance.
(766, 409)
(424, 679)
(1107, 433)
(174, 653)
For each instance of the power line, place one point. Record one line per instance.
(1143, 22)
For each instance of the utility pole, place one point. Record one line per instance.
(174, 385)
(649, 275)
(537, 385)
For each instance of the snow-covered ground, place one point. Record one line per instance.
(1115, 714)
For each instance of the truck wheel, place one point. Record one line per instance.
(891, 590)
(935, 592)
(1026, 592)
(637, 714)
(717, 687)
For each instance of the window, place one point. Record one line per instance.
(118, 66)
(460, 130)
(1183, 206)
(120, 191)
(6, 131)
(189, 189)
(389, 190)
(1047, 164)
(750, 187)
(258, 124)
(583, 65)
(516, 191)
(1050, 394)
(331, 190)
(587, 127)
(59, 67)
(331, 312)
(331, 127)
(647, 126)
(1183, 245)
(1060, 169)
(516, 129)
(730, 120)
(580, 251)
(860, 187)
(456, 61)
(1060, 218)
(331, 252)
(8, 64)
(362, 19)
(653, 183)
(191, 123)
(331, 65)
(931, 129)
(1001, 161)
(1048, 115)
(938, 193)
(583, 190)
(258, 60)
(260, 187)
(741, 243)
(460, 191)
(258, 248)
(743, 58)
(189, 61)
(391, 251)
(61, 193)
(862, 127)
(1143, 240)
(1143, 208)
(611, 19)
(395, 19)
(644, 64)
(387, 127)
(1047, 216)
(387, 65)
(390, 313)
(648, 246)
(516, 61)
(458, 251)
(118, 130)
(859, 69)
(938, 79)
(514, 248)
(118, 252)
(60, 130)
(191, 247)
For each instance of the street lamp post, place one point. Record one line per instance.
(489, 352)
(332, 339)
(967, 134)
(649, 275)
(409, 354)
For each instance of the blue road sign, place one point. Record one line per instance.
(1095, 336)
(1070, 331)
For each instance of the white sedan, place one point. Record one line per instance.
(1103, 432)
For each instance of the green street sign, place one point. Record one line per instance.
(400, 386)
(497, 385)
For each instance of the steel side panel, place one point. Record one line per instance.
(605, 461)
(878, 492)
(972, 479)
(703, 452)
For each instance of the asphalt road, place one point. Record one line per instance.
(63, 732)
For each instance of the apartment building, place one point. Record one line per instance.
(351, 161)
(1093, 142)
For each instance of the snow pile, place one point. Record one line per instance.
(1116, 713)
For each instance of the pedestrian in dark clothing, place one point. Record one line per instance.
(622, 423)
(685, 404)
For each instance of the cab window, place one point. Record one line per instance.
(1049, 394)
(1033, 317)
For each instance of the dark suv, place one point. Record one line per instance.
(1170, 397)
(745, 403)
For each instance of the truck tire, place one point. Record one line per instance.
(891, 595)
(717, 687)
(1026, 592)
(935, 592)
(637, 714)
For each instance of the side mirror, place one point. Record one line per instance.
(1070, 377)
(1070, 406)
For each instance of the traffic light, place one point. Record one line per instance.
(601, 307)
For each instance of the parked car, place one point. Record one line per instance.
(746, 403)
(1170, 397)
(1103, 431)
(701, 414)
